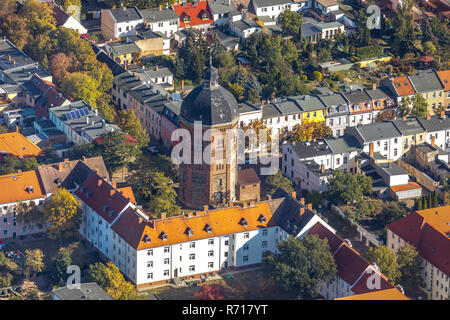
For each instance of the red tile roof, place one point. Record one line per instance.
(194, 13)
(334, 241)
(350, 264)
(403, 86)
(102, 197)
(444, 76)
(364, 284)
(427, 231)
(405, 187)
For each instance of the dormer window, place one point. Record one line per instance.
(186, 19)
(163, 236)
(205, 16)
(83, 188)
(208, 228)
(89, 193)
(243, 222)
(147, 239)
(189, 232)
(262, 219)
(105, 207)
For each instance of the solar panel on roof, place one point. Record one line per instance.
(72, 113)
(81, 111)
(68, 116)
(77, 114)
(86, 111)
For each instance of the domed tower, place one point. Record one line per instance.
(210, 107)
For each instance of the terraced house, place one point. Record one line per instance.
(427, 83)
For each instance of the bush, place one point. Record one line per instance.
(369, 52)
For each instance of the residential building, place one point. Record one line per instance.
(325, 7)
(195, 15)
(248, 185)
(23, 187)
(15, 144)
(281, 115)
(382, 102)
(314, 32)
(117, 23)
(170, 121)
(273, 8)
(80, 122)
(386, 138)
(149, 42)
(428, 231)
(427, 83)
(337, 112)
(244, 28)
(360, 106)
(124, 53)
(401, 87)
(162, 20)
(311, 107)
(223, 12)
(68, 21)
(413, 133)
(437, 127)
(386, 294)
(444, 76)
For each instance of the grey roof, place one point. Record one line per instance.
(391, 168)
(322, 90)
(172, 111)
(427, 148)
(126, 14)
(309, 29)
(425, 81)
(379, 93)
(246, 24)
(357, 96)
(335, 103)
(247, 107)
(378, 131)
(328, 25)
(408, 126)
(226, 40)
(155, 15)
(221, 6)
(316, 168)
(307, 102)
(87, 291)
(309, 149)
(270, 111)
(343, 144)
(210, 102)
(286, 107)
(269, 3)
(124, 48)
(435, 123)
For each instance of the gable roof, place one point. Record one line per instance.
(444, 76)
(427, 230)
(14, 187)
(403, 86)
(156, 15)
(425, 81)
(69, 173)
(378, 131)
(247, 177)
(386, 294)
(194, 13)
(126, 14)
(435, 123)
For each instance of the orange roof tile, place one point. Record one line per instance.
(387, 294)
(14, 143)
(194, 12)
(14, 187)
(404, 187)
(128, 193)
(403, 86)
(438, 217)
(222, 222)
(444, 76)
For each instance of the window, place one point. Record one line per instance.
(210, 265)
(166, 272)
(246, 235)
(245, 258)
(192, 256)
(150, 264)
(150, 275)
(166, 249)
(191, 268)
(211, 253)
(192, 245)
(166, 261)
(210, 241)
(149, 252)
(264, 244)
(245, 247)
(264, 232)
(226, 242)
(225, 254)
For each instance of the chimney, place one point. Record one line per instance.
(309, 206)
(428, 116)
(322, 168)
(269, 197)
(263, 102)
(84, 159)
(99, 182)
(14, 61)
(302, 200)
(182, 84)
(140, 220)
(125, 67)
(134, 74)
(160, 7)
(252, 203)
(112, 192)
(314, 139)
(302, 211)
(114, 185)
(205, 208)
(294, 195)
(433, 140)
(371, 149)
(140, 78)
(9, 58)
(66, 160)
(374, 86)
(163, 215)
(442, 114)
(156, 67)
(404, 118)
(60, 166)
(244, 205)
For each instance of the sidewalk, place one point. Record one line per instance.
(220, 276)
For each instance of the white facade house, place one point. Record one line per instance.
(163, 20)
(117, 23)
(273, 8)
(437, 127)
(325, 6)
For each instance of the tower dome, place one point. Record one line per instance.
(210, 102)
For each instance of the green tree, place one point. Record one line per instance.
(290, 22)
(391, 212)
(301, 266)
(112, 281)
(314, 197)
(81, 86)
(386, 260)
(62, 260)
(410, 267)
(105, 107)
(317, 75)
(420, 106)
(34, 261)
(62, 213)
(276, 181)
(129, 123)
(405, 107)
(348, 187)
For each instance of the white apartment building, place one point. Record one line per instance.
(273, 8)
(437, 126)
(120, 22)
(163, 20)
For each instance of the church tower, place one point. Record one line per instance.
(210, 107)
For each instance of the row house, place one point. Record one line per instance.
(360, 106)
(444, 77)
(382, 102)
(413, 133)
(355, 275)
(17, 145)
(437, 128)
(386, 138)
(281, 115)
(163, 20)
(24, 188)
(170, 121)
(337, 112)
(428, 231)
